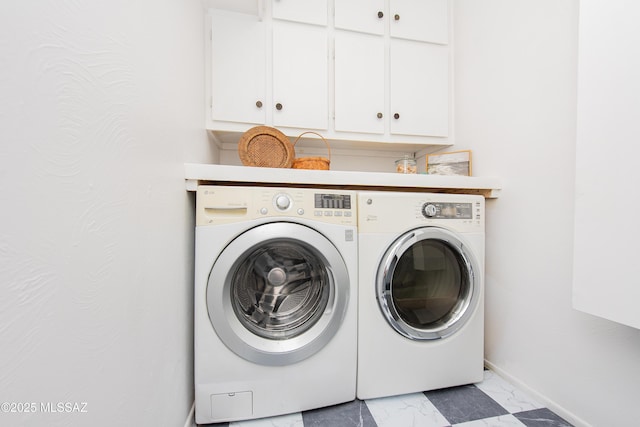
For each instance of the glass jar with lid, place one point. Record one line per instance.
(406, 165)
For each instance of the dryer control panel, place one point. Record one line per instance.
(228, 204)
(380, 212)
(443, 210)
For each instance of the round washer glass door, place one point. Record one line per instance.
(428, 284)
(278, 293)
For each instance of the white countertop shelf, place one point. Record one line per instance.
(197, 174)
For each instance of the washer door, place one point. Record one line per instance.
(278, 293)
(428, 284)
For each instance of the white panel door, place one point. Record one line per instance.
(419, 88)
(605, 268)
(238, 58)
(309, 11)
(359, 82)
(423, 20)
(300, 76)
(367, 16)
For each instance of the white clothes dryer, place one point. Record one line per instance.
(275, 327)
(421, 292)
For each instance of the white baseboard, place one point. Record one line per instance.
(553, 406)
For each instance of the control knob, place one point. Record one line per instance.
(429, 210)
(282, 202)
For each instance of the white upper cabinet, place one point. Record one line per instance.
(360, 66)
(422, 20)
(419, 88)
(300, 76)
(355, 70)
(367, 16)
(406, 94)
(359, 83)
(605, 235)
(238, 77)
(308, 11)
(285, 86)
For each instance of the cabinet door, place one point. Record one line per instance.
(359, 82)
(238, 58)
(300, 76)
(419, 88)
(606, 236)
(309, 11)
(423, 20)
(367, 16)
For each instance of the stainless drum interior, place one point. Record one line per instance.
(280, 290)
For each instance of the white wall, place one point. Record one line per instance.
(516, 108)
(102, 103)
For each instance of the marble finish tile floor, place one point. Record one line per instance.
(491, 403)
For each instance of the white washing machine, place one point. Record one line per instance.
(275, 301)
(421, 294)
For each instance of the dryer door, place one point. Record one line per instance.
(278, 293)
(428, 284)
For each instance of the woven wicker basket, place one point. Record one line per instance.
(265, 146)
(317, 163)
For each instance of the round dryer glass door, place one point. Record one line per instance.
(278, 293)
(428, 284)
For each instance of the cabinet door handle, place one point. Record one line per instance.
(396, 116)
(380, 14)
(379, 115)
(259, 104)
(396, 17)
(278, 106)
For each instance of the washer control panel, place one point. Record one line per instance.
(226, 204)
(323, 205)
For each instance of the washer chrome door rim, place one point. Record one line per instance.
(466, 303)
(263, 349)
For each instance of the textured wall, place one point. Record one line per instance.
(516, 64)
(101, 105)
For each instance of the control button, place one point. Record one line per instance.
(317, 213)
(328, 213)
(283, 202)
(300, 211)
(264, 211)
(348, 213)
(337, 213)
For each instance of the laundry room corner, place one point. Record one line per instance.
(516, 67)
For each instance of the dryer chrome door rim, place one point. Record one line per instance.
(291, 337)
(428, 284)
